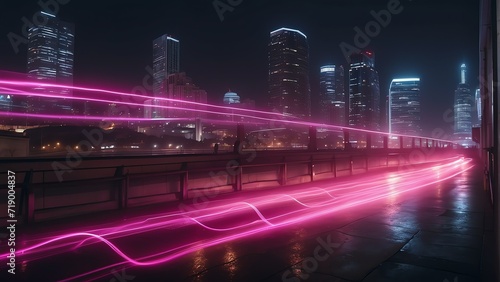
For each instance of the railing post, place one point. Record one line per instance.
(123, 188)
(184, 182)
(237, 185)
(240, 132)
(284, 176)
(368, 141)
(240, 137)
(313, 139)
(27, 198)
(347, 142)
(334, 167)
(401, 145)
(311, 168)
(351, 167)
(386, 142)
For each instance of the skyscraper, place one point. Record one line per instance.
(289, 88)
(332, 95)
(404, 106)
(463, 74)
(50, 58)
(479, 110)
(463, 107)
(166, 61)
(364, 92)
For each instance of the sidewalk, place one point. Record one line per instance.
(446, 236)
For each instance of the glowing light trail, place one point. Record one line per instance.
(125, 94)
(68, 117)
(238, 112)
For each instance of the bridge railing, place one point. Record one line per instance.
(100, 184)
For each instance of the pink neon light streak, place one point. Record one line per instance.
(124, 94)
(239, 112)
(68, 117)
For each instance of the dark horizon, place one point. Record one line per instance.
(113, 43)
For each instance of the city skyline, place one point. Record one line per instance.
(229, 39)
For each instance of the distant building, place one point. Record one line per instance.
(463, 74)
(332, 95)
(248, 104)
(405, 113)
(326, 92)
(13, 144)
(50, 60)
(232, 101)
(478, 108)
(364, 92)
(178, 86)
(6, 105)
(166, 61)
(5, 102)
(150, 108)
(463, 108)
(289, 88)
(231, 98)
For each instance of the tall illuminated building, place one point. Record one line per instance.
(332, 95)
(50, 60)
(166, 61)
(479, 110)
(364, 92)
(289, 88)
(405, 114)
(463, 108)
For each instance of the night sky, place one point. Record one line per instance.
(113, 43)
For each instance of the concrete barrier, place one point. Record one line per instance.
(100, 184)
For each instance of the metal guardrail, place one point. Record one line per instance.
(120, 180)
